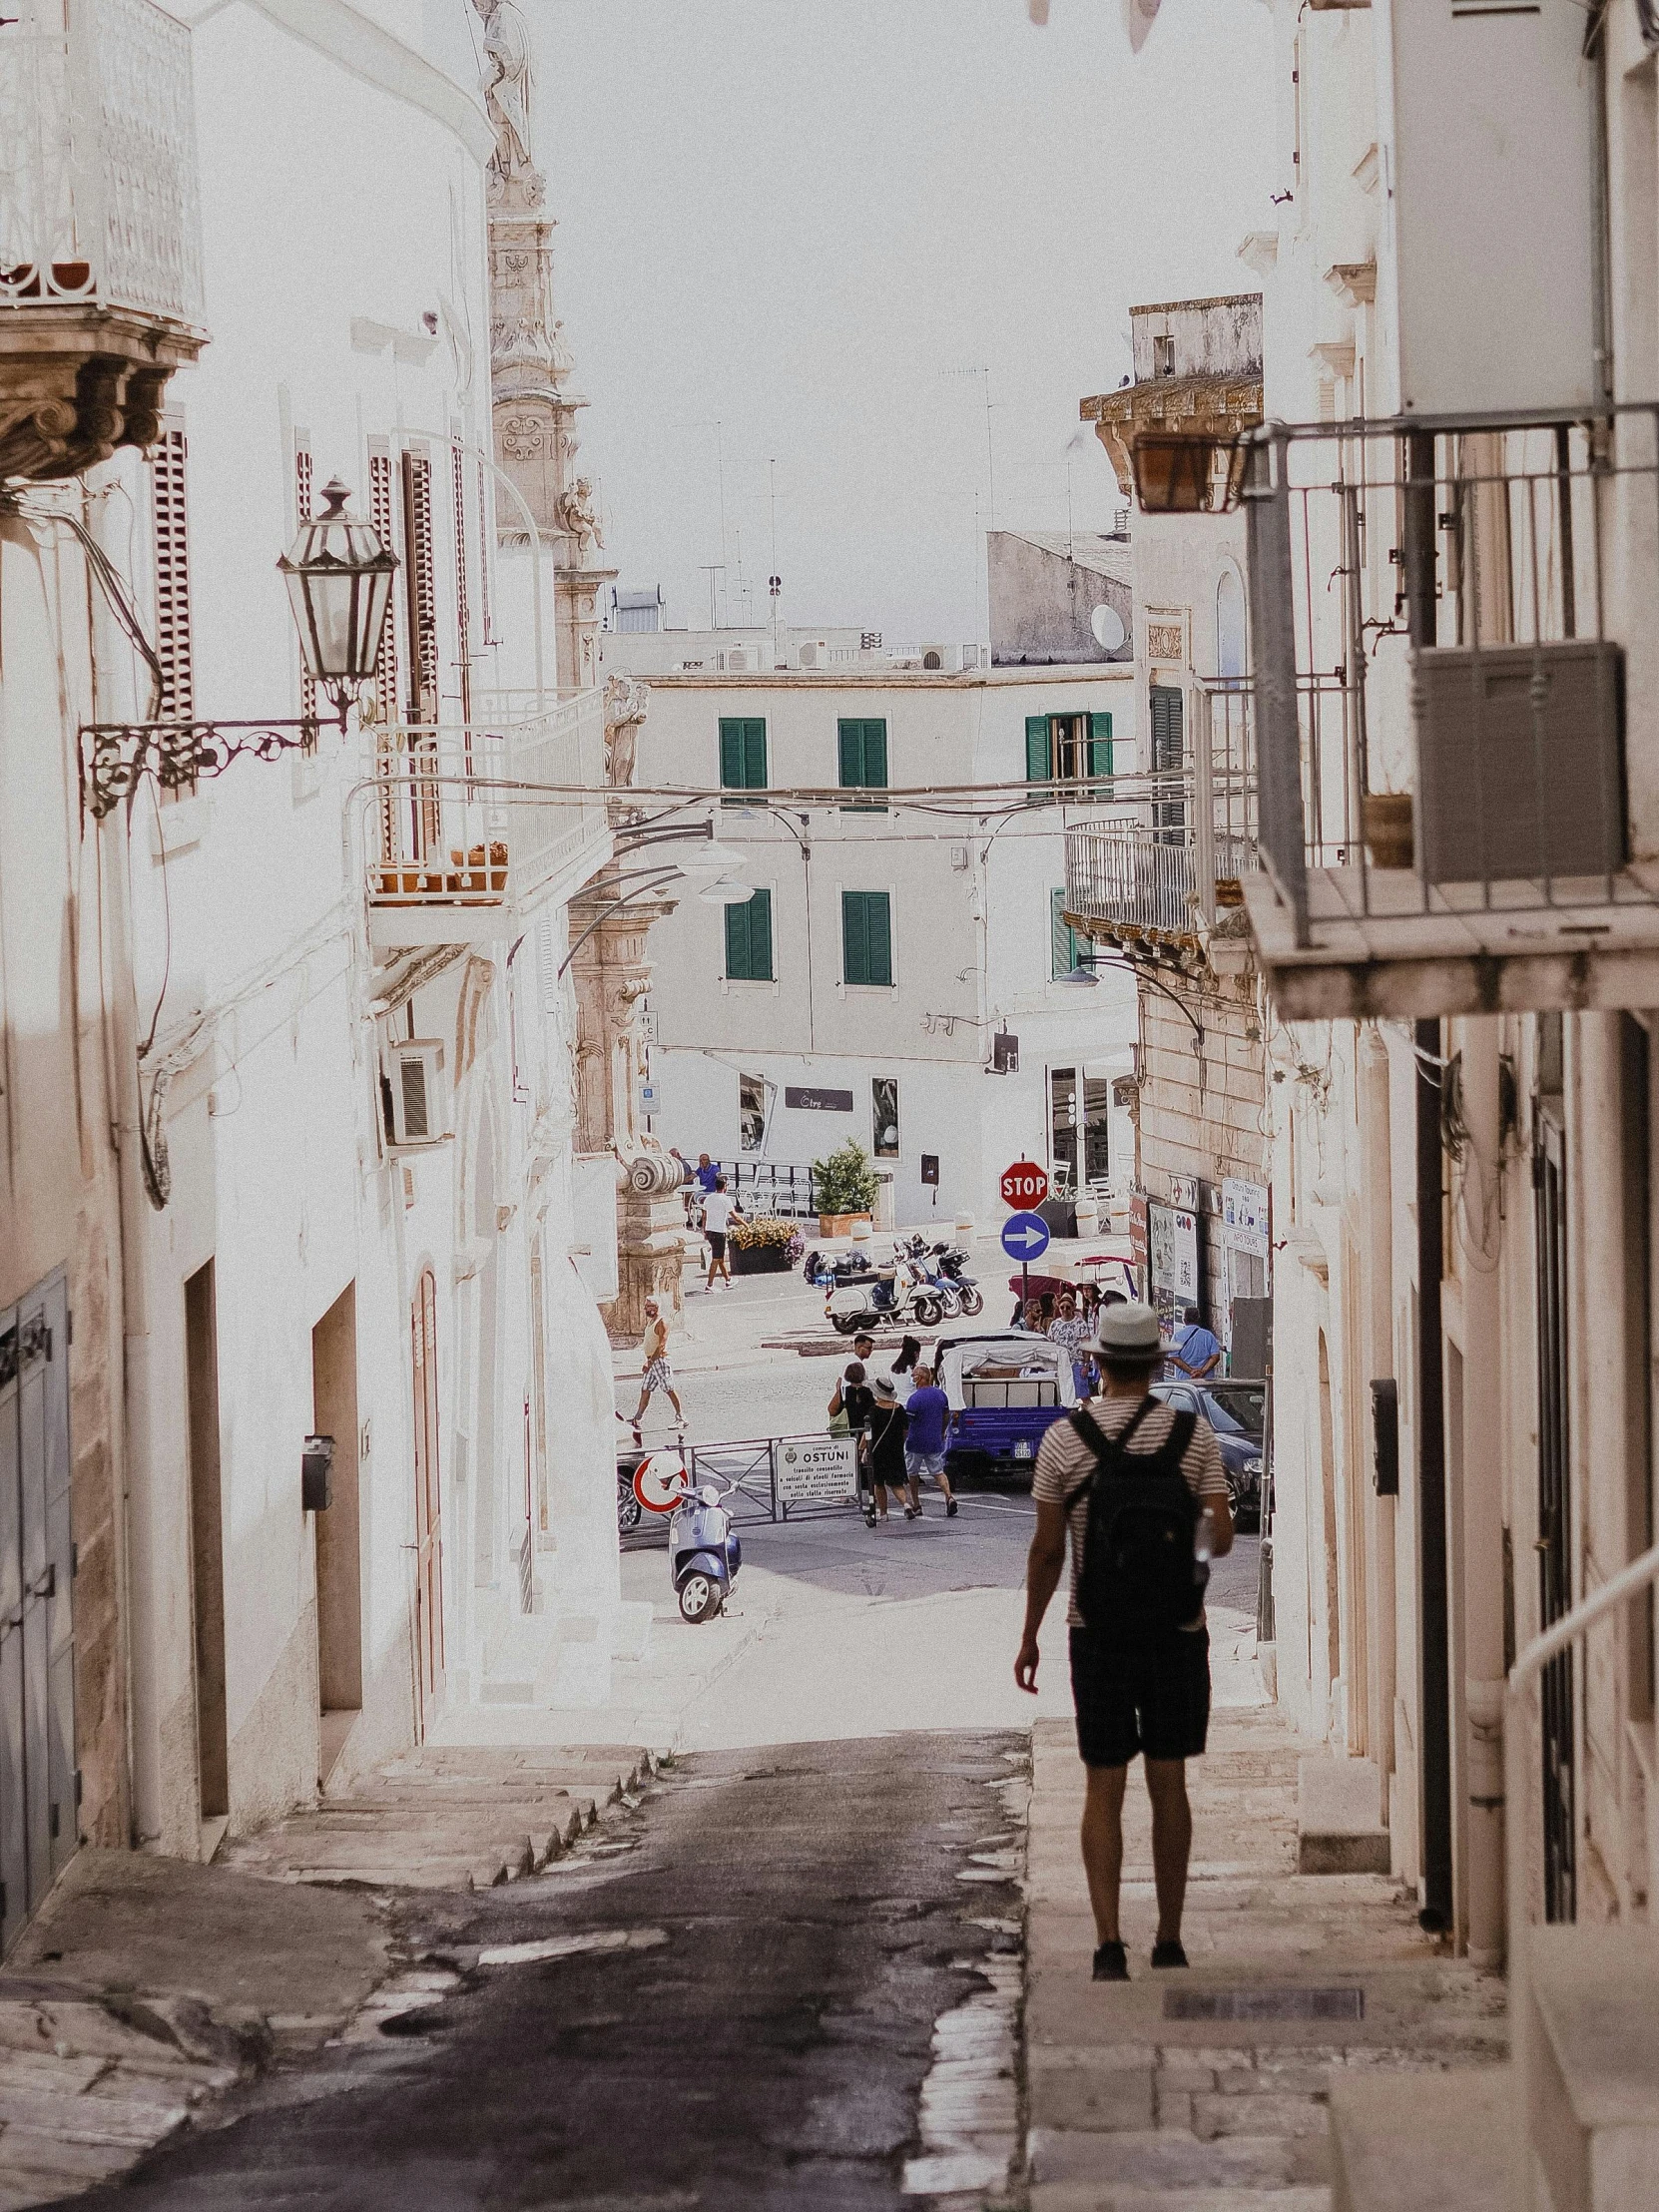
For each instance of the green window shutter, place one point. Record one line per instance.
(1100, 745)
(743, 754)
(1062, 938)
(749, 941)
(863, 750)
(850, 736)
(866, 937)
(1167, 736)
(1038, 762)
(876, 755)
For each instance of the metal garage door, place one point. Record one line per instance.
(37, 1642)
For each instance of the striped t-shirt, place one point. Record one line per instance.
(1064, 1461)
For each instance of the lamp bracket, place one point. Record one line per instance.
(115, 755)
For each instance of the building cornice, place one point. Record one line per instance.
(372, 53)
(1210, 405)
(789, 679)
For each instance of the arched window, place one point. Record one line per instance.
(932, 659)
(1230, 624)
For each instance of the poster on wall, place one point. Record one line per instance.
(884, 1115)
(751, 1112)
(1172, 1240)
(1244, 1216)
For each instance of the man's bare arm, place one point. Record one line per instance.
(1043, 1568)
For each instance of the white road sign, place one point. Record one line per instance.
(817, 1470)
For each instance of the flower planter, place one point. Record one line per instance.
(1387, 819)
(766, 1259)
(839, 1224)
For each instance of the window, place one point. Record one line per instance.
(1163, 356)
(866, 937)
(1169, 758)
(1069, 749)
(1066, 947)
(863, 760)
(883, 1116)
(749, 941)
(751, 1112)
(1230, 625)
(742, 755)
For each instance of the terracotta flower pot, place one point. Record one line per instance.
(1387, 826)
(839, 1224)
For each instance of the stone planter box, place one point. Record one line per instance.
(839, 1224)
(760, 1259)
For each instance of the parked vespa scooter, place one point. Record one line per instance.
(704, 1554)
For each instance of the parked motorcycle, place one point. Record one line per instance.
(858, 1297)
(946, 1266)
(704, 1552)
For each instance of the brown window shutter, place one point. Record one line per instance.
(171, 550)
(303, 513)
(420, 601)
(463, 601)
(380, 513)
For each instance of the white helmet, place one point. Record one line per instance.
(661, 1481)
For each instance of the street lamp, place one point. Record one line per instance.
(338, 575)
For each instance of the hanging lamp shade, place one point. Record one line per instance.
(339, 574)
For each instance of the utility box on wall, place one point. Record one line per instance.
(1491, 192)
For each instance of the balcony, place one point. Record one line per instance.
(1164, 873)
(100, 236)
(1455, 663)
(471, 831)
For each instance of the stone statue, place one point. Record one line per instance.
(626, 701)
(578, 514)
(509, 81)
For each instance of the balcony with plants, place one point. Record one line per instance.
(100, 233)
(1454, 649)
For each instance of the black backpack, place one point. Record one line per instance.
(1139, 1575)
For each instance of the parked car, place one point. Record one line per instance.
(1006, 1390)
(1236, 1409)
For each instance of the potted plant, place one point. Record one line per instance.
(843, 1187)
(761, 1246)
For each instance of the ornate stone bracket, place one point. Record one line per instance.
(77, 383)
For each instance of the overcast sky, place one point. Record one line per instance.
(796, 218)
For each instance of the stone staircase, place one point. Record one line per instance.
(447, 1817)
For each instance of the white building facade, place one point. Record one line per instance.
(890, 944)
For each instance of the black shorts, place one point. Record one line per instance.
(716, 1243)
(1152, 1698)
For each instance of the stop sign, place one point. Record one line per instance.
(1025, 1184)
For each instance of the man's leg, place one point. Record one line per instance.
(1103, 1846)
(674, 1400)
(1172, 1840)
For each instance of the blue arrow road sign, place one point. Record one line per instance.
(1025, 1237)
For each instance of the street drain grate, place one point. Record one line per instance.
(1264, 2005)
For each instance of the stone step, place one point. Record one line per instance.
(1591, 2047)
(1422, 2142)
(1339, 1817)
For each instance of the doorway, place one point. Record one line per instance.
(1554, 1520)
(339, 1613)
(38, 1791)
(426, 1621)
(207, 1532)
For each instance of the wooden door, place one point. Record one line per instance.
(427, 1619)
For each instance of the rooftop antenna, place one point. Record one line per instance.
(775, 582)
(990, 474)
(711, 569)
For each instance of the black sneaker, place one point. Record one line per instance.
(951, 1508)
(1111, 1964)
(1169, 1953)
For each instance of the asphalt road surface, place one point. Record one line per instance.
(800, 1924)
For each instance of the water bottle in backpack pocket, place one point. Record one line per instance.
(1140, 1575)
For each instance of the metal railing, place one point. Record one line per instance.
(1438, 656)
(1545, 1690)
(1174, 838)
(98, 180)
(476, 818)
(768, 1487)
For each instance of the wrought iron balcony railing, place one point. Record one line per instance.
(98, 181)
(1452, 630)
(1169, 859)
(472, 829)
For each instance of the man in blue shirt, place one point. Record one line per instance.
(706, 1173)
(929, 1412)
(1193, 1352)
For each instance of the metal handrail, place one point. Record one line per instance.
(1642, 1573)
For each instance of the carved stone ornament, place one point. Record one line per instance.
(626, 704)
(579, 515)
(76, 383)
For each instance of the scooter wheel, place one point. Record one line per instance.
(928, 1311)
(700, 1599)
(846, 1325)
(973, 1302)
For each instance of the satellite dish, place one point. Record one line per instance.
(1107, 625)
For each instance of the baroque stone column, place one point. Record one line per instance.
(533, 405)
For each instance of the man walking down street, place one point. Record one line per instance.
(1128, 1475)
(718, 1209)
(929, 1415)
(655, 1372)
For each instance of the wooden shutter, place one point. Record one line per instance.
(749, 941)
(303, 513)
(421, 612)
(463, 599)
(742, 753)
(1039, 753)
(866, 937)
(1100, 745)
(851, 745)
(1062, 938)
(170, 523)
(863, 749)
(1167, 735)
(380, 513)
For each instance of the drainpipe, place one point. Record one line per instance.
(1434, 1649)
(1482, 1501)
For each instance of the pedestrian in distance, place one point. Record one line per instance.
(1032, 1318)
(655, 1373)
(883, 1445)
(706, 1175)
(1070, 1332)
(851, 1401)
(904, 1367)
(1193, 1351)
(1142, 1493)
(720, 1209)
(929, 1413)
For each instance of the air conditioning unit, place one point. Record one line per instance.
(739, 660)
(814, 653)
(416, 1094)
